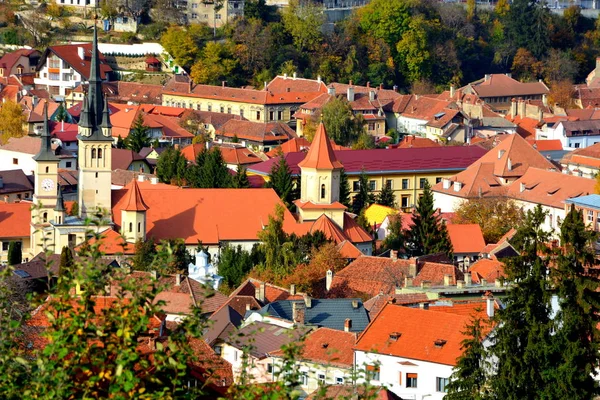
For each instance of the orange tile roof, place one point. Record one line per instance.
(549, 188)
(434, 273)
(503, 85)
(415, 141)
(309, 205)
(466, 238)
(320, 155)
(467, 308)
(111, 243)
(487, 269)
(191, 152)
(328, 347)
(348, 250)
(283, 84)
(256, 131)
(15, 219)
(546, 145)
(355, 232)
(419, 331)
(272, 292)
(329, 228)
(526, 127)
(134, 201)
(291, 146)
(238, 155)
(208, 215)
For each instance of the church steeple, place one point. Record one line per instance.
(46, 153)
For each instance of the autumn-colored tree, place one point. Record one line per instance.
(495, 216)
(11, 121)
(562, 94)
(180, 45)
(502, 8)
(308, 278)
(422, 86)
(525, 66)
(216, 64)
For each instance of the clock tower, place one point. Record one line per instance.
(45, 191)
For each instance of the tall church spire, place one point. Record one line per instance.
(46, 153)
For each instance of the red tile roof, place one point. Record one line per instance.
(466, 238)
(546, 145)
(191, 152)
(354, 232)
(415, 141)
(291, 146)
(69, 54)
(282, 84)
(238, 155)
(256, 131)
(487, 269)
(328, 347)
(142, 93)
(424, 335)
(502, 85)
(134, 201)
(8, 60)
(272, 292)
(321, 154)
(15, 219)
(111, 243)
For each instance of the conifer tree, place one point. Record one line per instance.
(172, 167)
(344, 188)
(469, 377)
(428, 234)
(61, 113)
(522, 339)
(139, 136)
(120, 143)
(364, 197)
(240, 179)
(577, 335)
(66, 259)
(280, 179)
(214, 172)
(387, 197)
(145, 252)
(15, 256)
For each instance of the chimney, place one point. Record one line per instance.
(292, 289)
(298, 312)
(141, 178)
(319, 78)
(347, 325)
(522, 187)
(372, 95)
(259, 292)
(452, 91)
(394, 254)
(395, 88)
(483, 282)
(497, 283)
(509, 74)
(446, 183)
(81, 52)
(248, 307)
(154, 180)
(540, 114)
(501, 153)
(545, 99)
(154, 274)
(331, 91)
(424, 306)
(328, 280)
(285, 76)
(489, 300)
(487, 77)
(350, 94)
(355, 304)
(448, 280)
(295, 75)
(308, 301)
(513, 108)
(460, 284)
(468, 279)
(408, 282)
(190, 83)
(368, 84)
(509, 164)
(152, 343)
(522, 107)
(457, 186)
(412, 268)
(223, 83)
(425, 284)
(177, 279)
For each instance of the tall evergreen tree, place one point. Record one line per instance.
(280, 179)
(428, 234)
(468, 380)
(66, 260)
(15, 255)
(139, 136)
(364, 197)
(120, 143)
(214, 172)
(387, 197)
(280, 257)
(240, 180)
(344, 188)
(172, 167)
(522, 347)
(61, 114)
(145, 252)
(577, 335)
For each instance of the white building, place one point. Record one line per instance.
(573, 134)
(204, 272)
(17, 154)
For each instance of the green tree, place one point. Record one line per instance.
(387, 197)
(364, 197)
(216, 65)
(257, 9)
(340, 122)
(61, 114)
(527, 25)
(577, 286)
(172, 257)
(15, 254)
(304, 21)
(120, 143)
(394, 240)
(278, 249)
(66, 260)
(281, 180)
(364, 141)
(139, 136)
(522, 339)
(214, 172)
(428, 234)
(180, 45)
(386, 19)
(469, 378)
(344, 188)
(171, 167)
(240, 180)
(145, 253)
(496, 216)
(234, 265)
(414, 49)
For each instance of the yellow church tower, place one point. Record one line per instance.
(45, 193)
(95, 142)
(320, 182)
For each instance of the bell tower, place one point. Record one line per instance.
(45, 190)
(95, 143)
(133, 215)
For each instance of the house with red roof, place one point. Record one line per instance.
(413, 351)
(582, 162)
(19, 62)
(262, 136)
(15, 221)
(64, 67)
(467, 240)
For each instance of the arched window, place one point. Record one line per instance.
(323, 191)
(130, 227)
(99, 153)
(93, 153)
(45, 217)
(47, 169)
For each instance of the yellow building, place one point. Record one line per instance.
(406, 171)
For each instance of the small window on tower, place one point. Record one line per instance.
(99, 153)
(96, 175)
(93, 153)
(323, 191)
(47, 169)
(45, 217)
(139, 227)
(130, 227)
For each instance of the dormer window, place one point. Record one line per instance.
(394, 336)
(439, 343)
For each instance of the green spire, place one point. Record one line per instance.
(60, 201)
(46, 153)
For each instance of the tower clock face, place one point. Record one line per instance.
(47, 185)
